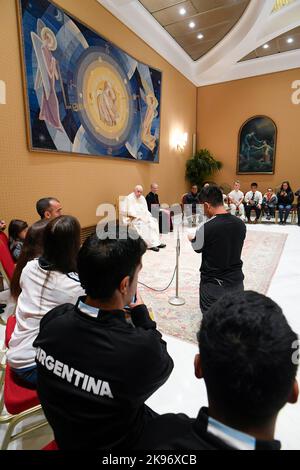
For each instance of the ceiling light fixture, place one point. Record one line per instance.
(192, 24)
(200, 36)
(182, 11)
(266, 46)
(290, 40)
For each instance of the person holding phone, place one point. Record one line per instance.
(96, 369)
(269, 203)
(285, 198)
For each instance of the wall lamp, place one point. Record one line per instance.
(2, 92)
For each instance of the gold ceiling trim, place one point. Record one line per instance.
(280, 4)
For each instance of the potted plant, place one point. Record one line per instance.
(201, 167)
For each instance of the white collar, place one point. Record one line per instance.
(88, 309)
(232, 437)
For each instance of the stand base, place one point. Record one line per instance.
(176, 301)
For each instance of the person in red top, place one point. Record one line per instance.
(5, 256)
(269, 203)
(2, 225)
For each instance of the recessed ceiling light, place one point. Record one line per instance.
(192, 24)
(266, 46)
(290, 40)
(182, 11)
(200, 36)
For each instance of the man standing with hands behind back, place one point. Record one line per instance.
(220, 240)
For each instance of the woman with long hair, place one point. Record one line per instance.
(45, 282)
(285, 201)
(17, 230)
(32, 248)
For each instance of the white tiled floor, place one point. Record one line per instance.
(184, 393)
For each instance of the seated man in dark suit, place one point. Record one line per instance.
(163, 215)
(191, 204)
(248, 359)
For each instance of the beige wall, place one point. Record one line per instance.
(223, 108)
(81, 183)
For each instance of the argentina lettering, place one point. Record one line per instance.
(73, 376)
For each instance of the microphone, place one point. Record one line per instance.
(177, 300)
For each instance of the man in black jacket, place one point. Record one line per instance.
(248, 360)
(191, 204)
(97, 364)
(220, 240)
(162, 215)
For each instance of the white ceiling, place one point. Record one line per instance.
(257, 26)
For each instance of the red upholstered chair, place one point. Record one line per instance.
(20, 402)
(7, 265)
(10, 326)
(51, 446)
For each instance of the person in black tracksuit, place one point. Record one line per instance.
(97, 362)
(220, 240)
(248, 360)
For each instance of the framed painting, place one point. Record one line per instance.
(257, 146)
(83, 94)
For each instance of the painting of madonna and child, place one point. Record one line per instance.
(85, 95)
(257, 146)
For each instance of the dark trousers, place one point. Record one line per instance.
(210, 292)
(165, 222)
(248, 210)
(269, 210)
(26, 377)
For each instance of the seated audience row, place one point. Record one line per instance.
(97, 362)
(45, 282)
(253, 200)
(242, 205)
(47, 208)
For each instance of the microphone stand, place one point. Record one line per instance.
(177, 300)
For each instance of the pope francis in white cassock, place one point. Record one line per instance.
(141, 219)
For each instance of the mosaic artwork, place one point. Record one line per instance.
(84, 95)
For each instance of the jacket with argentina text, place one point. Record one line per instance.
(95, 374)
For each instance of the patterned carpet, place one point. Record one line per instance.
(261, 255)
